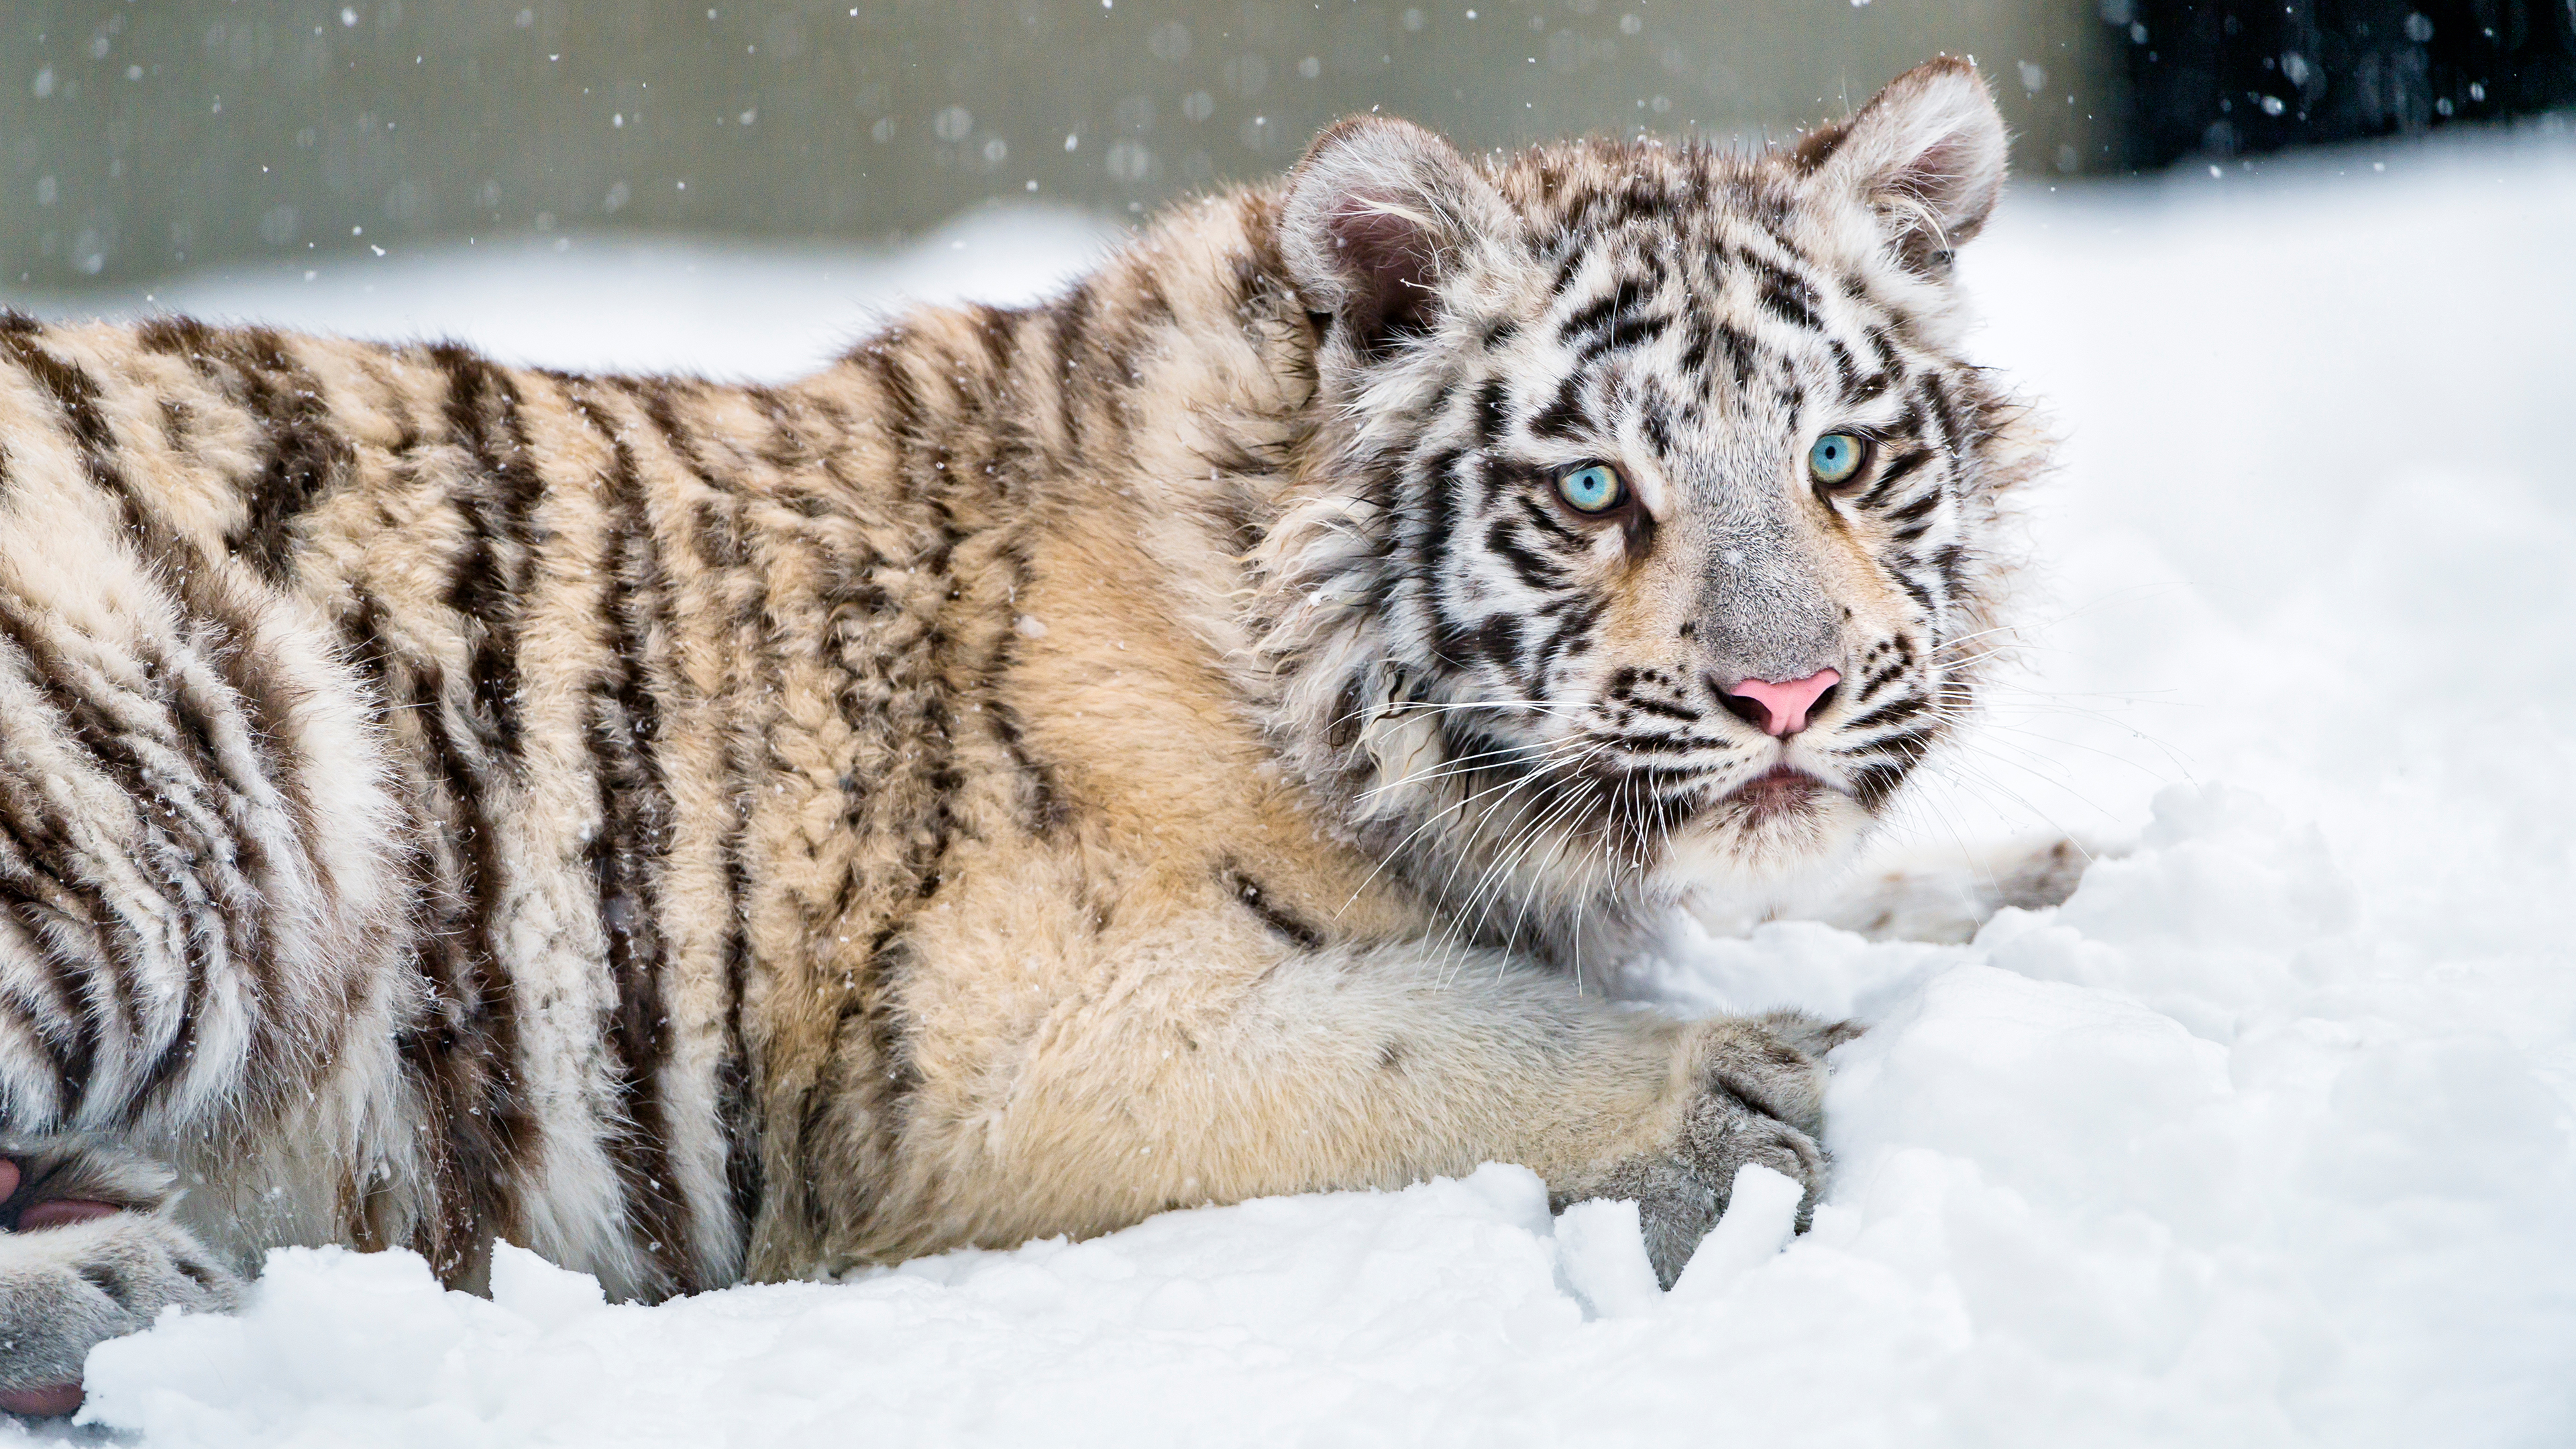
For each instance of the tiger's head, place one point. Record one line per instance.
(1647, 535)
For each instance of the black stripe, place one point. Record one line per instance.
(627, 857)
(182, 337)
(1544, 518)
(1785, 294)
(223, 628)
(719, 549)
(1569, 270)
(24, 1007)
(1902, 569)
(76, 393)
(1664, 779)
(1563, 416)
(1697, 339)
(1431, 541)
(468, 1046)
(497, 497)
(1916, 511)
(307, 454)
(67, 917)
(1662, 709)
(1878, 680)
(1533, 569)
(890, 961)
(1601, 311)
(1043, 799)
(1846, 369)
(1628, 332)
(999, 332)
(746, 1176)
(1896, 471)
(1577, 623)
(1493, 414)
(1499, 639)
(1936, 399)
(1873, 783)
(1740, 354)
(1280, 922)
(785, 448)
(1071, 319)
(1895, 711)
(1654, 418)
(901, 418)
(1045, 809)
(463, 1051)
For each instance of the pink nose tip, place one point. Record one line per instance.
(1783, 707)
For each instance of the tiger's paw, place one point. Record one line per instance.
(87, 1253)
(1760, 1099)
(1942, 897)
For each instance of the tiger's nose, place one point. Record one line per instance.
(1782, 708)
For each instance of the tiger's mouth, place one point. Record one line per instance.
(1772, 828)
(1782, 790)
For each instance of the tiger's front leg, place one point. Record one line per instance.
(1363, 1067)
(88, 1252)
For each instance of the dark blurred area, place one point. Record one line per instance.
(142, 137)
(2223, 80)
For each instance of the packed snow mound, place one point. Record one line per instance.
(2263, 1138)
(2061, 1214)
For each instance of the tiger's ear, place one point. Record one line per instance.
(1376, 216)
(1927, 153)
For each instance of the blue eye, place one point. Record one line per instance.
(1592, 488)
(1836, 457)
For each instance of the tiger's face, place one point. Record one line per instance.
(1662, 509)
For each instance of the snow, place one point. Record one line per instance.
(2264, 1138)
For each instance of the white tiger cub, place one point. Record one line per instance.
(1172, 744)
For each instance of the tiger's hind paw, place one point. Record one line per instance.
(87, 1253)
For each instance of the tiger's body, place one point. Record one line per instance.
(1157, 747)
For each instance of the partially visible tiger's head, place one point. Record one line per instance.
(1649, 528)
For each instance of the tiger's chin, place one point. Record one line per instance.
(1776, 827)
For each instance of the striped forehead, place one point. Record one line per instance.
(1705, 319)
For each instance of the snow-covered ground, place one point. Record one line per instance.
(2263, 1138)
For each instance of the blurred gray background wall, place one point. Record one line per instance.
(139, 137)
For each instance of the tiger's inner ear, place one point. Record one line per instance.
(1927, 153)
(1376, 216)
